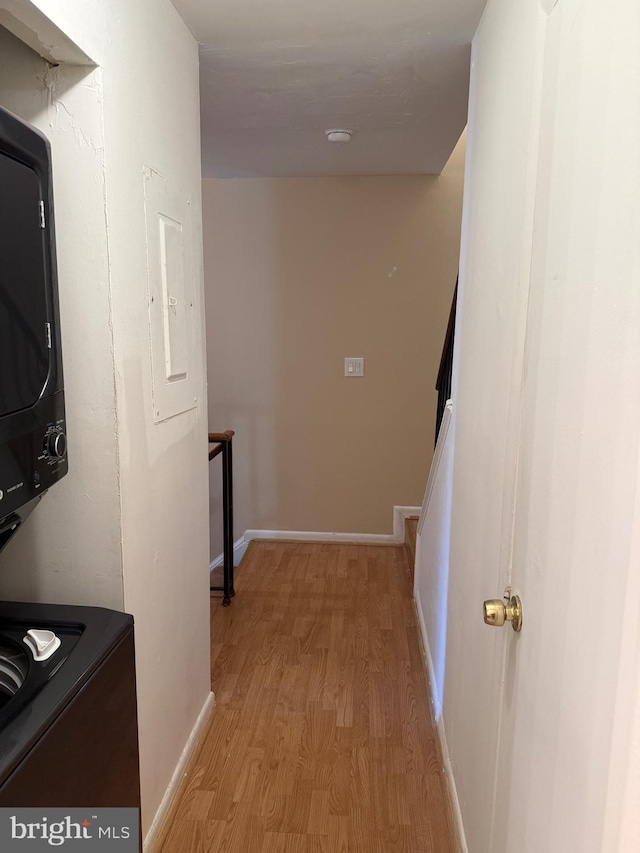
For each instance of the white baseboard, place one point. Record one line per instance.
(239, 547)
(400, 514)
(395, 538)
(442, 737)
(322, 536)
(163, 810)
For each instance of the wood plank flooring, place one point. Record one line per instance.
(321, 741)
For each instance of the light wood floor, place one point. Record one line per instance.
(321, 741)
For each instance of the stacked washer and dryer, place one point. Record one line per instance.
(68, 722)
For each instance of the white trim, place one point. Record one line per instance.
(32, 26)
(400, 515)
(323, 536)
(442, 737)
(395, 538)
(442, 437)
(239, 548)
(169, 795)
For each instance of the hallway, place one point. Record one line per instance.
(321, 740)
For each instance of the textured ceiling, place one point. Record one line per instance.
(275, 74)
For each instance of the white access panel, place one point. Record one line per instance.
(174, 311)
(171, 297)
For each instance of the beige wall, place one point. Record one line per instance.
(300, 273)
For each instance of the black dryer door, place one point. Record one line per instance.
(24, 347)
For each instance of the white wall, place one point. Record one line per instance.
(163, 467)
(431, 580)
(69, 550)
(128, 527)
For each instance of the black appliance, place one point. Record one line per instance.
(68, 724)
(68, 721)
(33, 446)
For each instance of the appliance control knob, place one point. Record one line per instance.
(57, 444)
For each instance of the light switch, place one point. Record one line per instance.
(354, 367)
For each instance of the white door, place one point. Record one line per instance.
(495, 264)
(578, 444)
(547, 407)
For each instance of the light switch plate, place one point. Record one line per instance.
(354, 367)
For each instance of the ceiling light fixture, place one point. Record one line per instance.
(339, 135)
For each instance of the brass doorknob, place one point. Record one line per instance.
(497, 612)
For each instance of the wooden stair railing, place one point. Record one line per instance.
(445, 371)
(223, 444)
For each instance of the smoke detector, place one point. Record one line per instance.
(339, 135)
